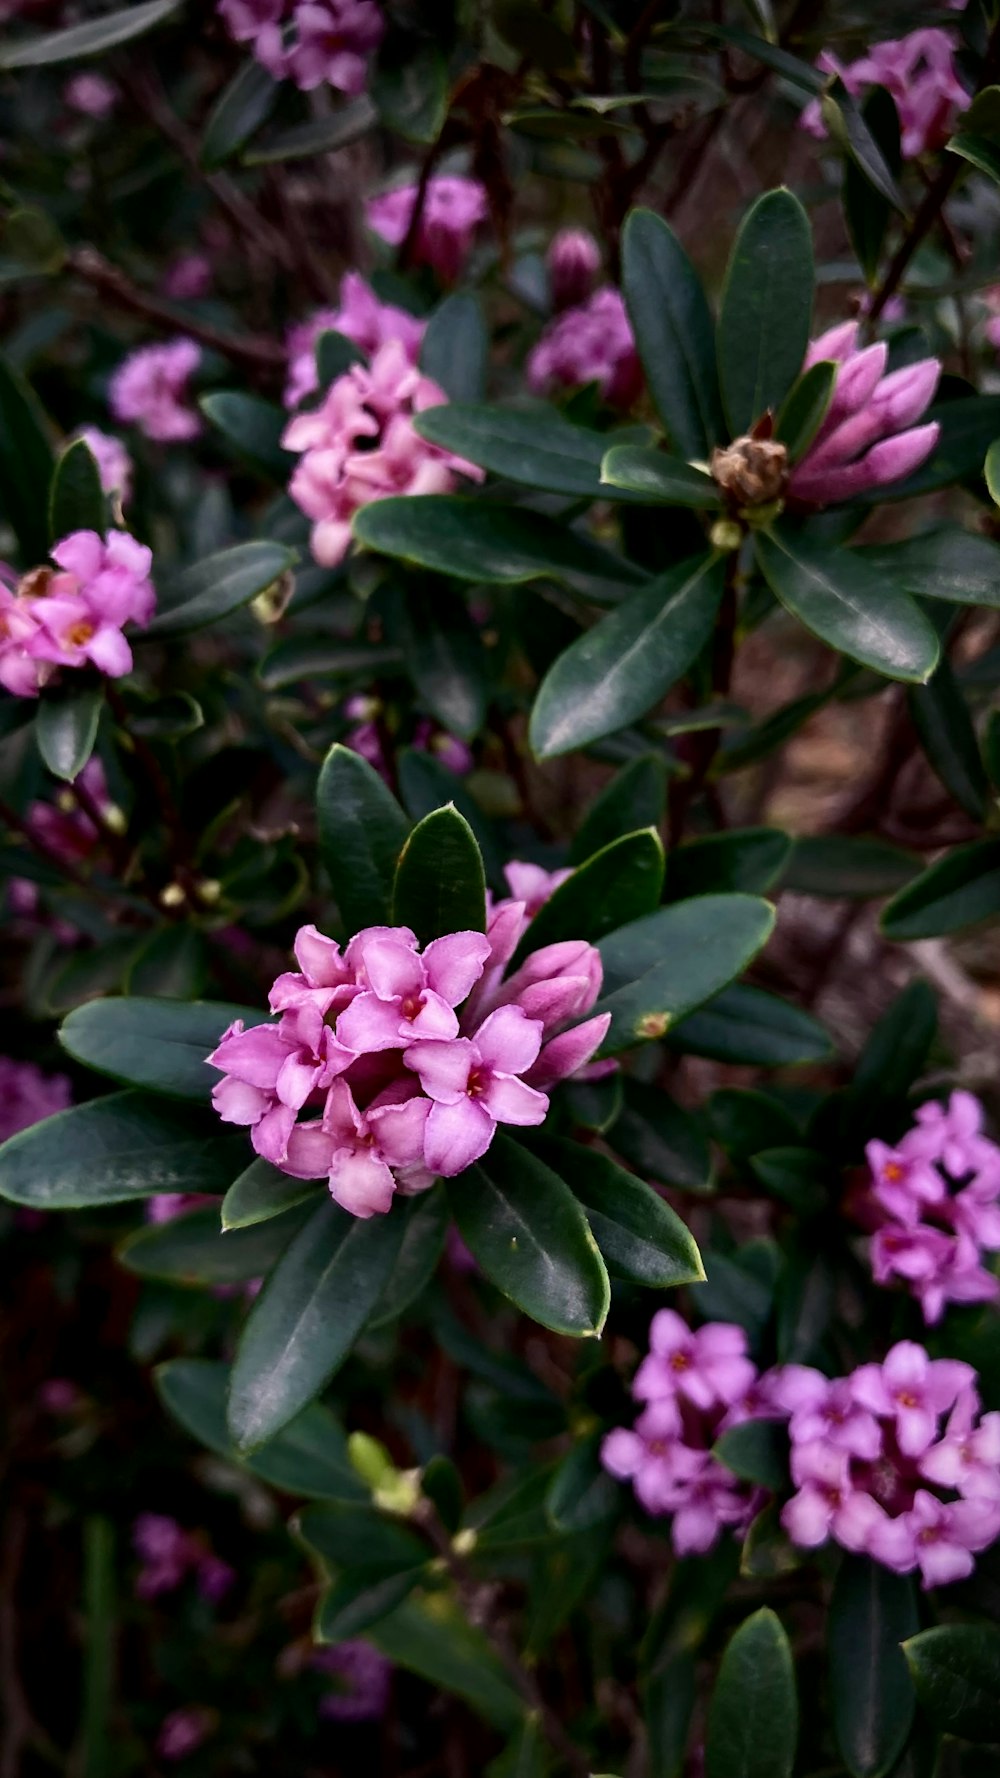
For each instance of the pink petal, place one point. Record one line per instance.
(455, 963)
(507, 1041)
(360, 1183)
(456, 1135)
(393, 969)
(309, 1153)
(369, 1024)
(399, 1131)
(443, 1068)
(510, 1101)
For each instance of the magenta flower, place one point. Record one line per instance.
(946, 1535)
(150, 389)
(914, 1390)
(332, 44)
(245, 19)
(919, 71)
(409, 995)
(532, 884)
(27, 1096)
(475, 1085)
(362, 318)
(452, 211)
(362, 1676)
(365, 1156)
(92, 94)
(188, 277)
(271, 1071)
(114, 465)
(820, 1409)
(591, 343)
(573, 261)
(903, 1181)
(967, 1458)
(869, 437)
(79, 614)
(708, 1367)
(184, 1731)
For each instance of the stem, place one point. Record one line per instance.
(90, 266)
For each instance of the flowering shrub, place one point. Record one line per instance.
(499, 755)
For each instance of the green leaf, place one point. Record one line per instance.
(753, 1715)
(740, 1288)
(828, 865)
(534, 446)
(308, 1457)
(639, 1235)
(619, 884)
(242, 106)
(747, 858)
(891, 1061)
(848, 605)
(872, 1611)
(440, 885)
(409, 85)
(968, 427)
(66, 729)
(490, 544)
(429, 1635)
(867, 209)
(347, 1534)
(582, 1494)
(941, 718)
(253, 427)
(455, 349)
(660, 968)
(26, 465)
(324, 657)
(76, 498)
(523, 1757)
(158, 1044)
(361, 833)
(660, 1140)
(746, 1024)
(217, 586)
(805, 408)
(425, 784)
(767, 1550)
(425, 1228)
(956, 1671)
(172, 965)
(319, 135)
(657, 478)
(335, 354)
(620, 669)
(531, 1239)
(958, 890)
(766, 309)
(89, 39)
(796, 1176)
(674, 334)
(307, 1317)
(979, 151)
(263, 1191)
(360, 1599)
(634, 798)
(444, 655)
(31, 245)
(194, 1249)
(127, 1145)
(756, 1451)
(850, 126)
(743, 1122)
(991, 473)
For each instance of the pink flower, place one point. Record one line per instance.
(591, 343)
(271, 1072)
(914, 1390)
(454, 754)
(184, 1731)
(188, 277)
(453, 209)
(820, 1409)
(967, 1458)
(365, 1156)
(245, 19)
(708, 1367)
(902, 1181)
(90, 93)
(919, 71)
(27, 1096)
(114, 465)
(869, 437)
(333, 41)
(475, 1085)
(945, 1536)
(573, 261)
(80, 613)
(21, 673)
(412, 996)
(361, 318)
(362, 1676)
(532, 884)
(150, 389)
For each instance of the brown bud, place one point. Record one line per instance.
(750, 470)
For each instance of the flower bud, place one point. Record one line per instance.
(573, 261)
(750, 470)
(726, 535)
(172, 896)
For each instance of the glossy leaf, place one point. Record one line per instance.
(804, 409)
(957, 890)
(673, 329)
(26, 464)
(620, 883)
(634, 798)
(766, 309)
(76, 498)
(157, 1044)
(88, 39)
(757, 1452)
(66, 728)
(263, 1191)
(361, 834)
(531, 1239)
(535, 446)
(359, 1599)
(744, 1121)
(747, 858)
(444, 655)
(847, 605)
(852, 128)
(217, 586)
(956, 1671)
(872, 1611)
(639, 1235)
(796, 1176)
(348, 1535)
(440, 885)
(127, 1145)
(425, 1229)
(172, 965)
(194, 1249)
(745, 1024)
(455, 349)
(242, 106)
(253, 427)
(429, 1635)
(655, 477)
(617, 671)
(941, 718)
(660, 968)
(753, 1715)
(306, 1318)
(660, 1140)
(582, 1493)
(867, 209)
(831, 865)
(319, 135)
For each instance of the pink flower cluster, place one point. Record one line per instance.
(365, 738)
(591, 343)
(360, 445)
(313, 42)
(919, 71)
(362, 318)
(150, 390)
(869, 437)
(934, 1204)
(404, 1059)
(168, 1554)
(74, 617)
(452, 210)
(694, 1385)
(27, 1095)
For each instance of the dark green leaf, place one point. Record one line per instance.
(325, 657)
(307, 1317)
(872, 1611)
(960, 566)
(523, 1757)
(850, 126)
(619, 884)
(455, 350)
(241, 108)
(31, 244)
(746, 1024)
(674, 333)
(531, 1239)
(620, 669)
(797, 1176)
(535, 446)
(747, 858)
(659, 969)
(958, 890)
(361, 833)
(26, 465)
(158, 1044)
(767, 1550)
(425, 1228)
(410, 91)
(441, 1483)
(444, 655)
(660, 1140)
(66, 729)
(440, 885)
(253, 427)
(753, 1716)
(890, 1062)
(804, 409)
(335, 355)
(657, 478)
(956, 1671)
(349, 1535)
(634, 798)
(740, 1288)
(766, 309)
(582, 1493)
(641, 1238)
(173, 965)
(941, 718)
(320, 135)
(828, 865)
(214, 588)
(360, 1599)
(88, 39)
(848, 605)
(425, 784)
(756, 1451)
(125, 1146)
(968, 427)
(430, 1636)
(979, 151)
(261, 1192)
(867, 209)
(76, 498)
(194, 1249)
(744, 1122)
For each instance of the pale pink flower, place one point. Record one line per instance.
(453, 209)
(919, 71)
(573, 261)
(150, 389)
(114, 465)
(361, 318)
(475, 1084)
(708, 1366)
(591, 343)
(90, 93)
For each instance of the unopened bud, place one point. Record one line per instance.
(172, 896)
(750, 470)
(209, 890)
(401, 1495)
(370, 1459)
(464, 1542)
(726, 535)
(114, 818)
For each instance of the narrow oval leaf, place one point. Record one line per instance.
(859, 868)
(956, 1671)
(455, 348)
(620, 883)
(959, 566)
(349, 1535)
(361, 834)
(634, 798)
(843, 602)
(766, 309)
(957, 890)
(641, 1238)
(306, 1318)
(674, 334)
(621, 668)
(253, 427)
(531, 1239)
(218, 585)
(660, 1140)
(360, 1599)
(746, 858)
(440, 884)
(243, 105)
(804, 409)
(26, 464)
(425, 1229)
(582, 1493)
(194, 1249)
(125, 1146)
(443, 652)
(660, 968)
(430, 1635)
(76, 498)
(89, 39)
(756, 1451)
(744, 1024)
(158, 1044)
(535, 446)
(872, 1611)
(655, 477)
(319, 135)
(943, 721)
(66, 729)
(264, 1191)
(753, 1718)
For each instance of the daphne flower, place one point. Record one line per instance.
(823, 1410)
(869, 437)
(452, 210)
(90, 93)
(591, 343)
(362, 1676)
(708, 1366)
(114, 465)
(573, 261)
(475, 1085)
(410, 995)
(150, 389)
(332, 43)
(919, 71)
(361, 318)
(271, 1071)
(27, 1095)
(365, 1156)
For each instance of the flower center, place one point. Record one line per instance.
(679, 1361)
(411, 1005)
(907, 1399)
(477, 1083)
(893, 1172)
(79, 633)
